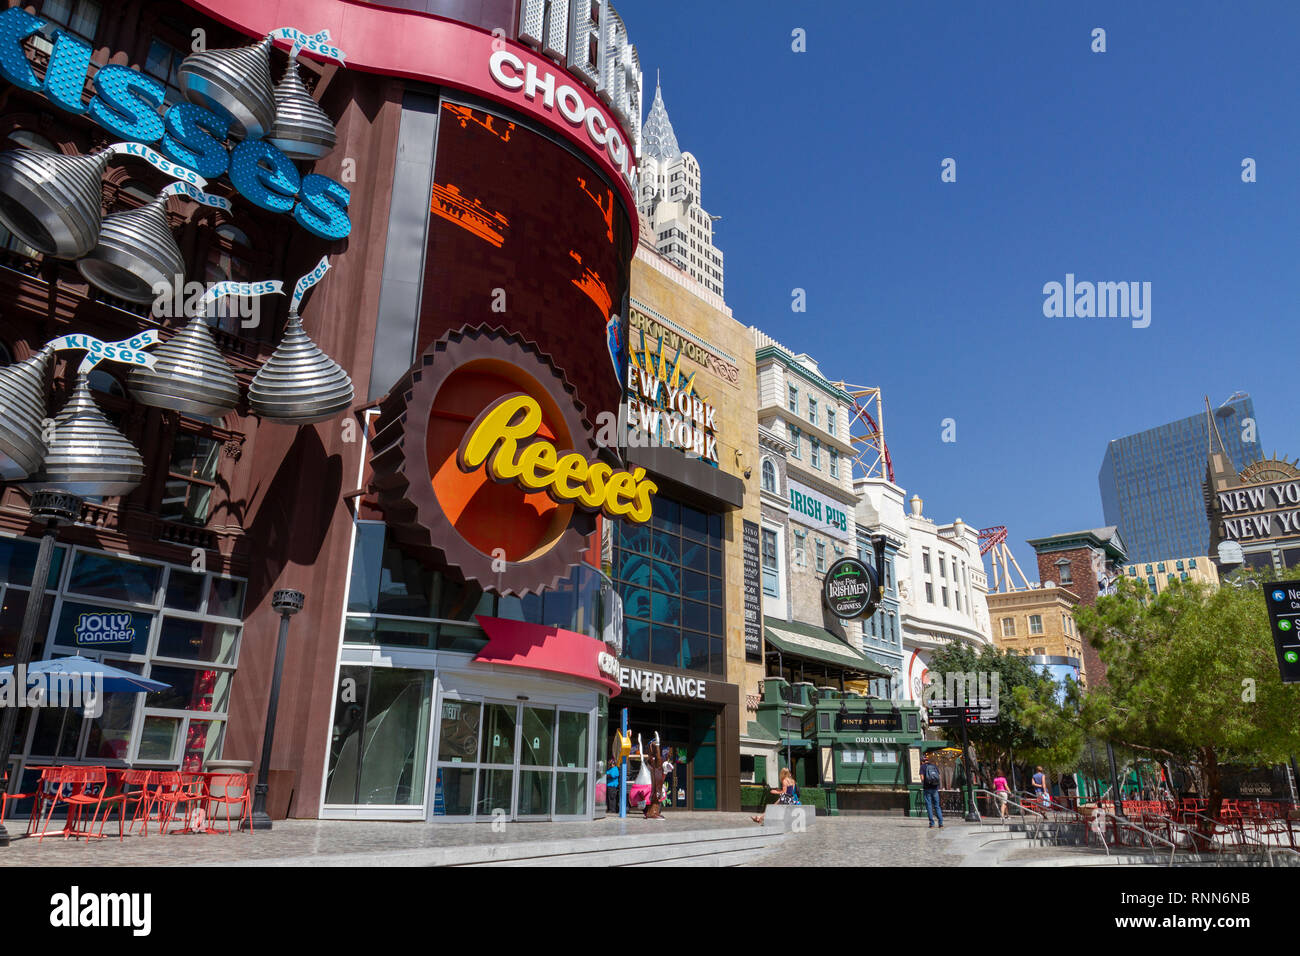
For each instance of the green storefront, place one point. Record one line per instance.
(862, 753)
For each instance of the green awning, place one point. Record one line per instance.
(794, 639)
(756, 731)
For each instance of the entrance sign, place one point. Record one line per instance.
(1283, 600)
(636, 678)
(851, 589)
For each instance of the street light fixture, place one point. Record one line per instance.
(50, 507)
(286, 602)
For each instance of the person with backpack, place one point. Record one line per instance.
(930, 790)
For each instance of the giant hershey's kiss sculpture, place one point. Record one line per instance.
(135, 254)
(82, 453)
(237, 82)
(22, 415)
(300, 384)
(302, 130)
(53, 203)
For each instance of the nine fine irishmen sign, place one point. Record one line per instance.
(851, 589)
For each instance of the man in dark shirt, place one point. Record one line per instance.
(930, 790)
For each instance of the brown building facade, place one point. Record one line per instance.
(1086, 563)
(448, 668)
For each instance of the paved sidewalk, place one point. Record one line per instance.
(290, 839)
(868, 840)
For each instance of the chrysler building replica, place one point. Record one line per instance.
(669, 201)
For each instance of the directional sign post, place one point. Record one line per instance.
(1283, 601)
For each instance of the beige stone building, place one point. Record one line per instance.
(689, 580)
(1158, 574)
(1038, 623)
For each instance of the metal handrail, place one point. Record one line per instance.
(1052, 805)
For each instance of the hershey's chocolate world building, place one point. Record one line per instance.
(468, 170)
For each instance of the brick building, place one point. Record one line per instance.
(1087, 563)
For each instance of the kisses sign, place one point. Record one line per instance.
(127, 103)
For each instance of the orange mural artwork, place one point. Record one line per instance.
(473, 217)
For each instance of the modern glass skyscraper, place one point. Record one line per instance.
(1151, 482)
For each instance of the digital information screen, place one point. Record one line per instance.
(526, 235)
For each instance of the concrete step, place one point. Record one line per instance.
(703, 847)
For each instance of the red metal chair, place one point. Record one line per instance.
(55, 783)
(6, 796)
(174, 792)
(93, 793)
(143, 798)
(230, 790)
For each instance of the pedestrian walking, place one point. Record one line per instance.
(1001, 791)
(1041, 788)
(930, 790)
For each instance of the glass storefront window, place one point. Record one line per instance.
(191, 689)
(495, 790)
(159, 738)
(534, 793)
(198, 640)
(12, 609)
(573, 728)
(458, 732)
(538, 737)
(99, 575)
(571, 793)
(57, 733)
(203, 739)
(226, 598)
(455, 792)
(184, 590)
(18, 562)
(499, 734)
(123, 598)
(380, 738)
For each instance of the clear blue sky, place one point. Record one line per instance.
(1115, 166)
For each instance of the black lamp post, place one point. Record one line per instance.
(1114, 780)
(50, 507)
(286, 602)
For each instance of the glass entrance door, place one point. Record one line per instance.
(513, 760)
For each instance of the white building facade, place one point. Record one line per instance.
(668, 199)
(798, 404)
(942, 584)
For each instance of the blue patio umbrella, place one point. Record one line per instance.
(113, 678)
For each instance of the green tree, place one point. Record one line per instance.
(1021, 689)
(1191, 675)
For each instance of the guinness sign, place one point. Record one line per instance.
(851, 589)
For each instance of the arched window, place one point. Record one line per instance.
(769, 475)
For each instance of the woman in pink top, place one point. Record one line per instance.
(1001, 791)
